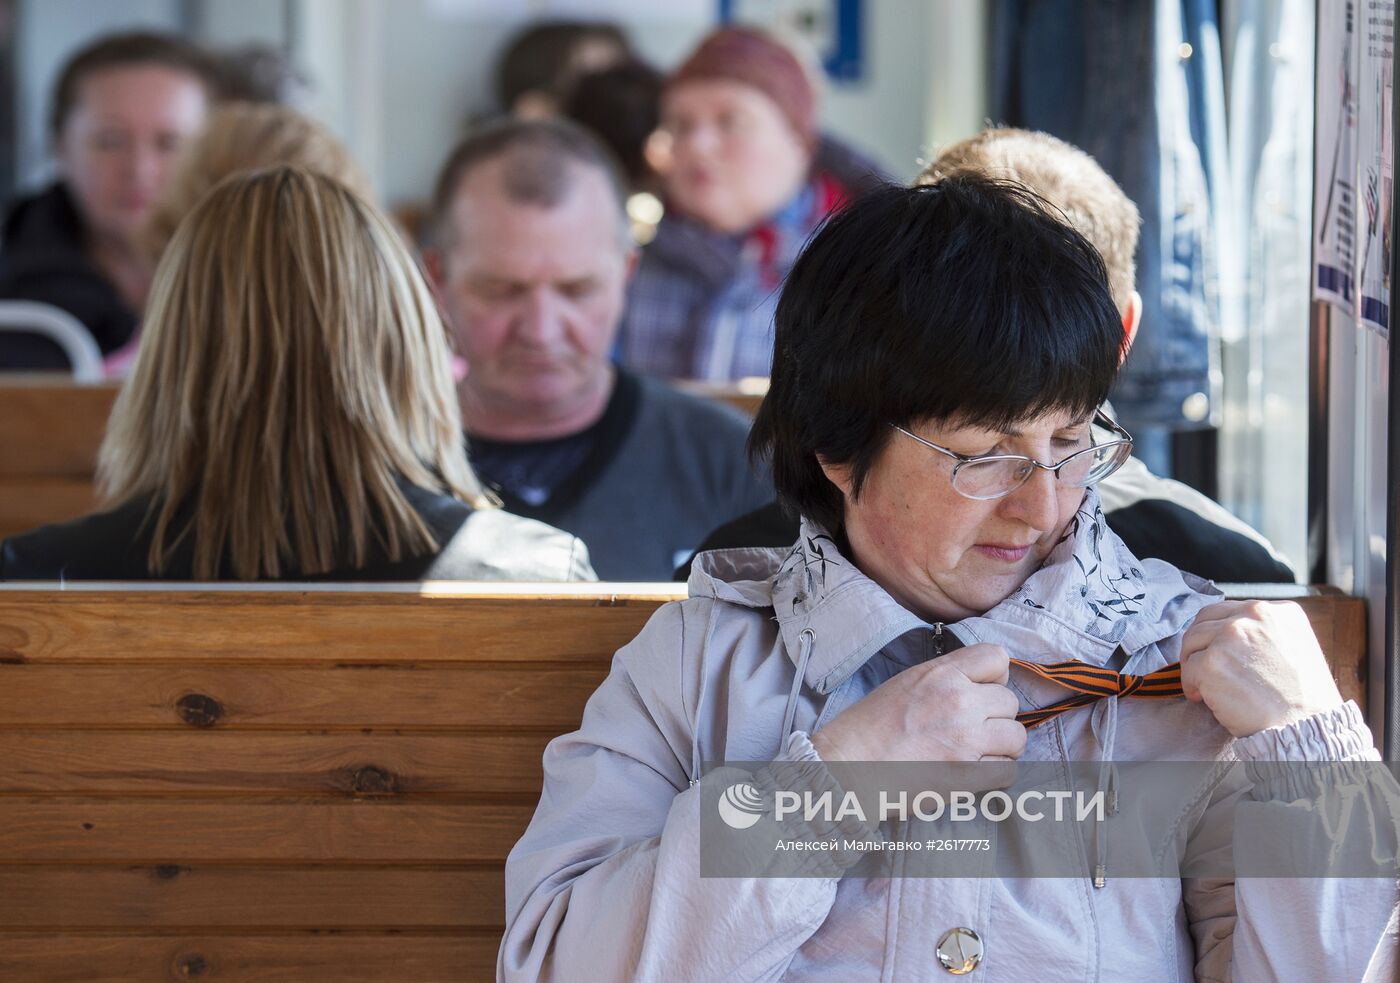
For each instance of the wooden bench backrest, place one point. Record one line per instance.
(200, 782)
(49, 436)
(297, 784)
(50, 431)
(745, 395)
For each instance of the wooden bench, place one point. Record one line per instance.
(743, 394)
(299, 783)
(280, 784)
(50, 431)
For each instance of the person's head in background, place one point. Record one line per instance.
(739, 118)
(294, 369)
(243, 136)
(121, 110)
(539, 67)
(1073, 182)
(531, 252)
(261, 73)
(239, 137)
(621, 106)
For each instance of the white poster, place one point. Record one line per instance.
(1375, 172)
(1334, 198)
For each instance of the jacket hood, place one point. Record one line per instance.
(737, 575)
(1089, 599)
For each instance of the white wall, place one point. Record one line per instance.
(236, 22)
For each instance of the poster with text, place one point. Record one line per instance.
(1375, 162)
(1334, 197)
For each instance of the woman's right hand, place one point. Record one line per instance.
(956, 707)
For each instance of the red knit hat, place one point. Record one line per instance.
(751, 57)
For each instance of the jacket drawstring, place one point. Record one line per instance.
(695, 735)
(695, 730)
(1104, 724)
(807, 638)
(805, 642)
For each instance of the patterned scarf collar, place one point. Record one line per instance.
(718, 257)
(1090, 598)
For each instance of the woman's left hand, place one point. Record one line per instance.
(1256, 664)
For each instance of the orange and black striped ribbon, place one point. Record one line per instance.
(1093, 683)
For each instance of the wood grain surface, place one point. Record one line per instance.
(277, 785)
(338, 957)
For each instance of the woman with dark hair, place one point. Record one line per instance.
(539, 68)
(621, 105)
(940, 356)
(121, 110)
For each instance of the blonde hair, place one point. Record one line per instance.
(292, 370)
(244, 137)
(1066, 177)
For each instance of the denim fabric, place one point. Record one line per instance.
(1109, 77)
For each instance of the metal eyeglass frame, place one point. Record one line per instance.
(1101, 419)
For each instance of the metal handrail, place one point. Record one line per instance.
(60, 327)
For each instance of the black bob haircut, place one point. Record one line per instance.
(967, 301)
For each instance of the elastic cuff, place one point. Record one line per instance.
(1338, 734)
(802, 770)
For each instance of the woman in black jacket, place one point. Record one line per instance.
(121, 109)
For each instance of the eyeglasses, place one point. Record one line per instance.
(997, 475)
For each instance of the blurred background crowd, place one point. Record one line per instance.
(731, 130)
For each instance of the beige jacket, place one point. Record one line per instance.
(605, 884)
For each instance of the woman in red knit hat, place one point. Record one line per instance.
(742, 195)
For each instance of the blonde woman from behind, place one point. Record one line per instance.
(291, 415)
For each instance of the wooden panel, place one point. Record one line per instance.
(157, 831)
(34, 897)
(381, 628)
(288, 627)
(27, 503)
(85, 762)
(1338, 620)
(745, 395)
(268, 697)
(342, 958)
(52, 429)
